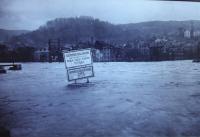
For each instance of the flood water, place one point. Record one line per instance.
(122, 100)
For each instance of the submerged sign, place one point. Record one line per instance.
(78, 64)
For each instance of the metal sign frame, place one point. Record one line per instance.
(78, 67)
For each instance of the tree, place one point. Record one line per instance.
(3, 53)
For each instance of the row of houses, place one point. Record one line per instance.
(159, 49)
(101, 51)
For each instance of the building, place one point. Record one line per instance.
(181, 32)
(41, 55)
(104, 52)
(156, 53)
(157, 50)
(196, 33)
(55, 50)
(101, 51)
(52, 53)
(187, 34)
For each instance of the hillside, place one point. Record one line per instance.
(7, 34)
(71, 30)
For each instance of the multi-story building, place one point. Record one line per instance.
(103, 52)
(55, 50)
(41, 55)
(187, 34)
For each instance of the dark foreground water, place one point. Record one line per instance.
(122, 100)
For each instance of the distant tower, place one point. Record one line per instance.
(55, 50)
(181, 32)
(92, 40)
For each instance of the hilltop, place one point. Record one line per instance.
(72, 30)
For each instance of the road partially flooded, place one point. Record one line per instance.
(122, 100)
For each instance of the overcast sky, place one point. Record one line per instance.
(30, 14)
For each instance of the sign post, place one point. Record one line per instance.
(79, 64)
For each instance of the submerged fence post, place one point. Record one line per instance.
(88, 80)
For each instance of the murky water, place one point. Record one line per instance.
(123, 99)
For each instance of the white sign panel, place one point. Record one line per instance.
(78, 64)
(80, 73)
(78, 58)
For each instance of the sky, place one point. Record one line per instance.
(30, 14)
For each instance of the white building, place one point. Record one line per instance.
(197, 33)
(187, 34)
